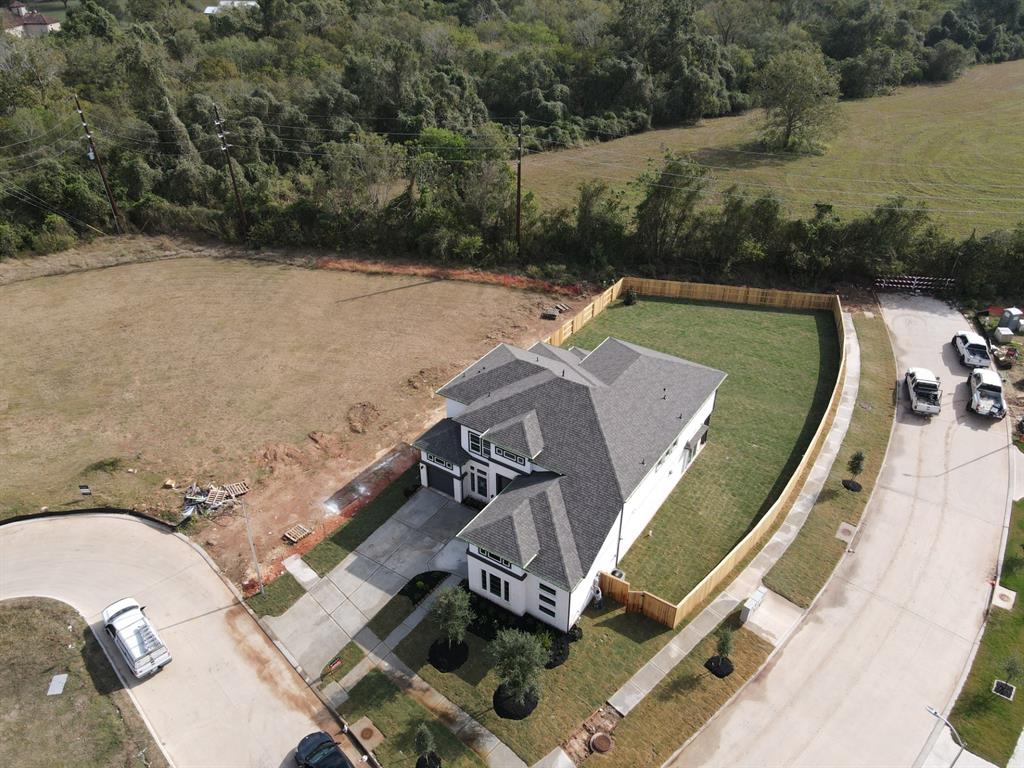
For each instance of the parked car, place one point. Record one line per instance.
(972, 349)
(986, 394)
(134, 636)
(319, 750)
(924, 390)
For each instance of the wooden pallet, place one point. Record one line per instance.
(296, 533)
(237, 489)
(216, 496)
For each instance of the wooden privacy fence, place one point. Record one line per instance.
(650, 605)
(585, 315)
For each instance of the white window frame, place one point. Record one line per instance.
(440, 462)
(513, 457)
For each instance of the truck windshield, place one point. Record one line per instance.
(989, 391)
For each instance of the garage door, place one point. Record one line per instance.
(440, 480)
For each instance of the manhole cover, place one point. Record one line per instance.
(1004, 597)
(601, 742)
(366, 733)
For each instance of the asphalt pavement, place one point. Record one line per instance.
(894, 630)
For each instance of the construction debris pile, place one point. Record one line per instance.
(204, 501)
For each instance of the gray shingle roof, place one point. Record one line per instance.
(444, 440)
(600, 422)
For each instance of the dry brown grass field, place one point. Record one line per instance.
(217, 370)
(956, 149)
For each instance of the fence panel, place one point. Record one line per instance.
(671, 614)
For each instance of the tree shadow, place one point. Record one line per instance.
(747, 156)
(680, 686)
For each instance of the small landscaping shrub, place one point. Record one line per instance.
(631, 297)
(425, 748)
(719, 665)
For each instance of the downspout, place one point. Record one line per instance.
(618, 544)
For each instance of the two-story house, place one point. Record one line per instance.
(571, 452)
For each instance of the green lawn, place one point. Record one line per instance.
(349, 656)
(278, 596)
(92, 723)
(781, 369)
(397, 716)
(614, 645)
(802, 571)
(956, 148)
(336, 547)
(682, 702)
(988, 724)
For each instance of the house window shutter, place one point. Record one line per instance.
(483, 579)
(505, 584)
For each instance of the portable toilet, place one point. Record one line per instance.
(1011, 319)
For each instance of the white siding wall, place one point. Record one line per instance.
(493, 467)
(560, 608)
(605, 561)
(645, 500)
(453, 408)
(517, 591)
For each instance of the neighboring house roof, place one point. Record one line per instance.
(597, 422)
(38, 18)
(444, 439)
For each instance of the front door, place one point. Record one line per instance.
(478, 482)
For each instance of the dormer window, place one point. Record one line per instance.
(479, 446)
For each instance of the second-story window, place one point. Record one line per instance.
(510, 456)
(479, 446)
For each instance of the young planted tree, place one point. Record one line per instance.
(800, 96)
(719, 665)
(856, 464)
(518, 658)
(452, 614)
(426, 751)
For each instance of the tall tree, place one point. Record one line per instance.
(799, 95)
(518, 658)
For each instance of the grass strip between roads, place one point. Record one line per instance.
(93, 722)
(336, 547)
(683, 702)
(397, 716)
(990, 725)
(278, 596)
(806, 565)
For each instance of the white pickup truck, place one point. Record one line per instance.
(135, 637)
(986, 394)
(924, 390)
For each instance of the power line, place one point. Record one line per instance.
(24, 196)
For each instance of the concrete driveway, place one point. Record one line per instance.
(893, 632)
(228, 698)
(337, 607)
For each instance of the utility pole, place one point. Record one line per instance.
(243, 227)
(94, 155)
(519, 192)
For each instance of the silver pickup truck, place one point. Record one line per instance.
(925, 392)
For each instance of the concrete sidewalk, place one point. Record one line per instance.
(654, 671)
(337, 607)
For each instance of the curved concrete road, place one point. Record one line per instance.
(894, 629)
(228, 698)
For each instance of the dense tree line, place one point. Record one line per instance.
(388, 124)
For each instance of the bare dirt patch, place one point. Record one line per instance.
(222, 369)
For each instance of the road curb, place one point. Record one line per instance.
(272, 637)
(91, 511)
(784, 640)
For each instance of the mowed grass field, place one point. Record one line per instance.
(193, 368)
(957, 149)
(781, 369)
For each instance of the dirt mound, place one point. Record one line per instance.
(275, 457)
(329, 445)
(429, 379)
(361, 417)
